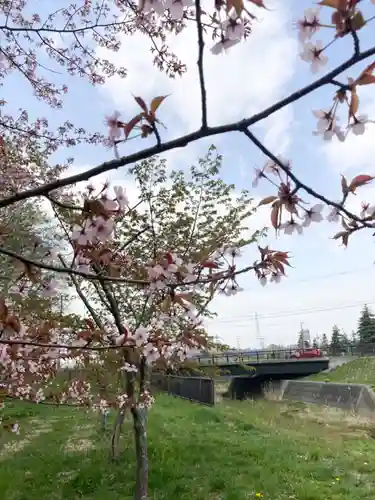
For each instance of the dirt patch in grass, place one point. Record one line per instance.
(80, 440)
(66, 476)
(17, 445)
(79, 445)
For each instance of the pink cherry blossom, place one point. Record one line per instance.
(121, 197)
(177, 7)
(102, 228)
(114, 131)
(233, 27)
(334, 215)
(358, 127)
(150, 353)
(291, 226)
(153, 5)
(314, 214)
(263, 280)
(313, 53)
(309, 25)
(82, 235)
(49, 289)
(275, 278)
(367, 210)
(140, 336)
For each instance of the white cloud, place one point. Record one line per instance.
(276, 138)
(251, 76)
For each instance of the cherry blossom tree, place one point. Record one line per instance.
(172, 278)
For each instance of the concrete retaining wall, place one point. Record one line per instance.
(354, 397)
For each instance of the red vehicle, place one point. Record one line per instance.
(309, 352)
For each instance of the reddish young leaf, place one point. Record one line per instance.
(141, 103)
(267, 200)
(259, 3)
(155, 103)
(133, 122)
(282, 257)
(335, 4)
(237, 4)
(354, 103)
(360, 180)
(366, 77)
(209, 264)
(90, 323)
(275, 212)
(3, 309)
(280, 267)
(13, 323)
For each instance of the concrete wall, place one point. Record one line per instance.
(353, 397)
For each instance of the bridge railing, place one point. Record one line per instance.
(245, 357)
(281, 354)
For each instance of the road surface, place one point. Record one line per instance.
(336, 361)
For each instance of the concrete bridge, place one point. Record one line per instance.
(249, 374)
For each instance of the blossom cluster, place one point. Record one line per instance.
(346, 20)
(291, 214)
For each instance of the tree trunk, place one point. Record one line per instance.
(115, 449)
(140, 436)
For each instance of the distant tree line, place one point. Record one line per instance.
(340, 341)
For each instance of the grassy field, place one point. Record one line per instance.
(359, 371)
(235, 451)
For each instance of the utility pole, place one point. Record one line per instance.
(238, 343)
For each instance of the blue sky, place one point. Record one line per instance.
(327, 284)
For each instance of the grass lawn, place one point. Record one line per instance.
(235, 451)
(359, 371)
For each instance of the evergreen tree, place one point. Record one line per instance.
(336, 340)
(315, 343)
(345, 341)
(354, 338)
(366, 326)
(324, 343)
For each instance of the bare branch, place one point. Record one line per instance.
(84, 299)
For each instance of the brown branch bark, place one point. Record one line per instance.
(182, 141)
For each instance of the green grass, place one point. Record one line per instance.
(230, 452)
(359, 371)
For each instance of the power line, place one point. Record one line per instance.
(295, 312)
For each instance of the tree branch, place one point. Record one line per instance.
(198, 14)
(81, 295)
(188, 138)
(299, 184)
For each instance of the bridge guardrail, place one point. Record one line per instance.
(281, 354)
